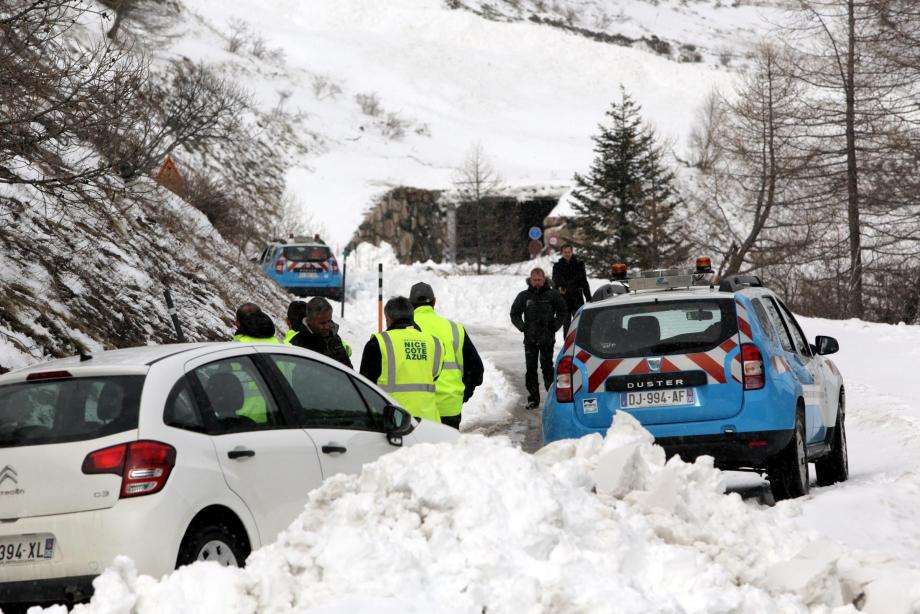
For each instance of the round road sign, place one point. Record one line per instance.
(535, 233)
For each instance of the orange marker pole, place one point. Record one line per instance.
(380, 297)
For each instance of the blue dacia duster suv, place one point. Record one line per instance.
(303, 267)
(722, 370)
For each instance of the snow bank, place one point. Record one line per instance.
(593, 525)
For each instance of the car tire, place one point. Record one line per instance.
(789, 472)
(212, 542)
(835, 467)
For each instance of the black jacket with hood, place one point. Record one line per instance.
(538, 313)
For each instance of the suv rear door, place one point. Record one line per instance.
(638, 352)
(47, 428)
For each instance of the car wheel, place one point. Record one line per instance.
(835, 467)
(789, 472)
(212, 543)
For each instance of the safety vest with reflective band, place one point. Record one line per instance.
(248, 339)
(451, 335)
(410, 362)
(254, 404)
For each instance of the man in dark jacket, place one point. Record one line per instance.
(572, 282)
(320, 333)
(538, 312)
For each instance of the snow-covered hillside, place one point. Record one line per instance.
(395, 92)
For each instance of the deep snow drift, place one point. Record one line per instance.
(481, 526)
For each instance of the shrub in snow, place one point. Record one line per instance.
(370, 104)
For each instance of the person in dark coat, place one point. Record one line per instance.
(320, 334)
(538, 312)
(571, 281)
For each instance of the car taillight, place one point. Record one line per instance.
(279, 266)
(564, 373)
(335, 266)
(752, 367)
(144, 466)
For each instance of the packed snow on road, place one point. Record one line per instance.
(593, 525)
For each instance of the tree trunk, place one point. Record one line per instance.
(855, 299)
(119, 10)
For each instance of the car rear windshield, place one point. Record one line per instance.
(65, 410)
(307, 253)
(657, 328)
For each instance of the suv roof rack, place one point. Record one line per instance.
(733, 283)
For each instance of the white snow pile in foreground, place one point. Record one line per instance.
(481, 526)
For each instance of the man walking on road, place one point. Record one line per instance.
(538, 312)
(572, 283)
(404, 361)
(463, 368)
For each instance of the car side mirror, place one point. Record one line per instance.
(826, 345)
(397, 423)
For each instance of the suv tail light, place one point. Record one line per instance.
(335, 265)
(752, 367)
(279, 266)
(144, 466)
(564, 373)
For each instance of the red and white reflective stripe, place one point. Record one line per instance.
(744, 323)
(780, 364)
(712, 363)
(307, 266)
(573, 328)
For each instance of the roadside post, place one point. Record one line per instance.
(380, 297)
(344, 276)
(171, 308)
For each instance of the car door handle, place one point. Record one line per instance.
(234, 454)
(334, 449)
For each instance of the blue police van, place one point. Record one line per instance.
(304, 267)
(721, 370)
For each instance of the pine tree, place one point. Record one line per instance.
(625, 205)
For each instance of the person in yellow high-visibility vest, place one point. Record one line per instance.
(253, 326)
(463, 368)
(404, 361)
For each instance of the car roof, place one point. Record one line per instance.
(646, 296)
(137, 360)
(122, 361)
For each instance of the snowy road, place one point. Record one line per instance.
(504, 347)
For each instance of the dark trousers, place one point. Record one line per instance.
(532, 353)
(571, 308)
(453, 421)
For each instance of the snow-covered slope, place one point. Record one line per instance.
(433, 81)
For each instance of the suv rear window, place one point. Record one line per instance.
(76, 409)
(655, 329)
(306, 253)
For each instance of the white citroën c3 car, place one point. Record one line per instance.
(173, 454)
